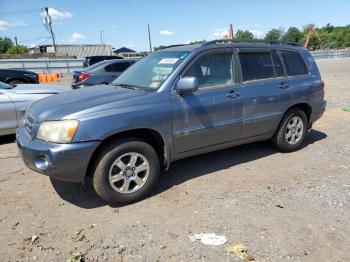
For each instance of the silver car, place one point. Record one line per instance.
(15, 99)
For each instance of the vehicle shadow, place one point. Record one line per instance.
(220, 160)
(84, 195)
(8, 139)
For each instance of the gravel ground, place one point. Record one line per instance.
(283, 207)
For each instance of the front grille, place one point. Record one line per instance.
(28, 124)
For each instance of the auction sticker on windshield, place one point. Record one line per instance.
(169, 61)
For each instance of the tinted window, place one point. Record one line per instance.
(277, 64)
(294, 63)
(120, 67)
(256, 66)
(213, 69)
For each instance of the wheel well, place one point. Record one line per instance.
(148, 135)
(305, 107)
(16, 79)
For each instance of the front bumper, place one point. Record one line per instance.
(67, 162)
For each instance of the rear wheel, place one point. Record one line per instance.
(291, 133)
(126, 171)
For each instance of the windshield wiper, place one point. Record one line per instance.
(128, 86)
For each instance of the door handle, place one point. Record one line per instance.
(283, 85)
(233, 94)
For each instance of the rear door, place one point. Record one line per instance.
(300, 81)
(211, 115)
(8, 118)
(263, 90)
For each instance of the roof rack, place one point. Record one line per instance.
(271, 42)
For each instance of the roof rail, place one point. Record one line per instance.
(272, 42)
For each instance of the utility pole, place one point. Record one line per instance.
(149, 39)
(48, 22)
(16, 44)
(101, 36)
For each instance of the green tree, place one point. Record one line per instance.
(274, 34)
(293, 34)
(20, 49)
(197, 42)
(244, 35)
(5, 44)
(156, 48)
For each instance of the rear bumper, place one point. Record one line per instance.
(318, 110)
(67, 162)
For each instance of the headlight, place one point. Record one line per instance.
(61, 131)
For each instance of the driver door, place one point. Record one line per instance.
(8, 118)
(211, 115)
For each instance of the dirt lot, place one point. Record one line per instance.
(283, 207)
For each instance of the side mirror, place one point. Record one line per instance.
(187, 84)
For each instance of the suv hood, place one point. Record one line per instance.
(38, 89)
(77, 103)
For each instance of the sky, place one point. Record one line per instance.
(124, 23)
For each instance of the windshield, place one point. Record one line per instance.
(150, 72)
(5, 86)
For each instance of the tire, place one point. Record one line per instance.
(283, 138)
(16, 82)
(114, 166)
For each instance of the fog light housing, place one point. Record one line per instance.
(42, 162)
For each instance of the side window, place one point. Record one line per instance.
(256, 66)
(109, 68)
(117, 67)
(213, 69)
(120, 67)
(294, 63)
(277, 63)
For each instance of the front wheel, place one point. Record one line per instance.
(292, 131)
(126, 171)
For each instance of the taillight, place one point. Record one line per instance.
(83, 76)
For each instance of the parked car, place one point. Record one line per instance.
(15, 99)
(100, 73)
(175, 103)
(16, 76)
(90, 60)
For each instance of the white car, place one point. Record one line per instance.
(15, 99)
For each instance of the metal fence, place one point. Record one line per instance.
(69, 65)
(323, 54)
(43, 65)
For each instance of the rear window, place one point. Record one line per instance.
(256, 66)
(294, 63)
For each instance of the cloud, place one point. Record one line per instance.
(76, 37)
(57, 15)
(218, 33)
(166, 33)
(257, 34)
(6, 25)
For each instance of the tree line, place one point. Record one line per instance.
(8, 47)
(332, 37)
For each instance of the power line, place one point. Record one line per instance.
(22, 11)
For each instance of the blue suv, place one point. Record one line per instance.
(178, 102)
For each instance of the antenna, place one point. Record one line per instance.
(48, 22)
